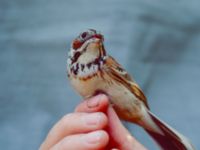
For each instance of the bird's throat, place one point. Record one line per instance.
(85, 69)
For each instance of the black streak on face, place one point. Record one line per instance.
(75, 58)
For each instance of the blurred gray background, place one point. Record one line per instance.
(157, 41)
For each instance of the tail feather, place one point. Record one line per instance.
(170, 139)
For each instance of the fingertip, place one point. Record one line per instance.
(97, 139)
(103, 122)
(104, 102)
(96, 103)
(97, 100)
(94, 121)
(90, 141)
(103, 97)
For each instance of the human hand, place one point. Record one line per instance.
(93, 126)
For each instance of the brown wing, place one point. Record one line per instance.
(115, 70)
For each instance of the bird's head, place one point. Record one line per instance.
(87, 46)
(86, 49)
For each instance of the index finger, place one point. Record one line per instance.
(93, 104)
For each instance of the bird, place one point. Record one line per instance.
(91, 70)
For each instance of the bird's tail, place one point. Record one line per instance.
(165, 136)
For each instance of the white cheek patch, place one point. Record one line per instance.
(71, 52)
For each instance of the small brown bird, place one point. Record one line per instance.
(91, 70)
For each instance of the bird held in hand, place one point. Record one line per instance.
(91, 70)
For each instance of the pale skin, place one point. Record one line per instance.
(93, 125)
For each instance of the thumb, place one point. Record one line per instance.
(119, 134)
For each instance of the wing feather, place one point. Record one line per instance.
(116, 71)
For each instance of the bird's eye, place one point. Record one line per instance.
(84, 35)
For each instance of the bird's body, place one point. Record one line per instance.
(91, 71)
(101, 82)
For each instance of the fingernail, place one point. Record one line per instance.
(94, 137)
(94, 102)
(93, 119)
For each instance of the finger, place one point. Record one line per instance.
(92, 141)
(75, 123)
(119, 134)
(96, 103)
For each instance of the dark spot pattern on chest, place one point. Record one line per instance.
(82, 67)
(75, 69)
(97, 62)
(89, 65)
